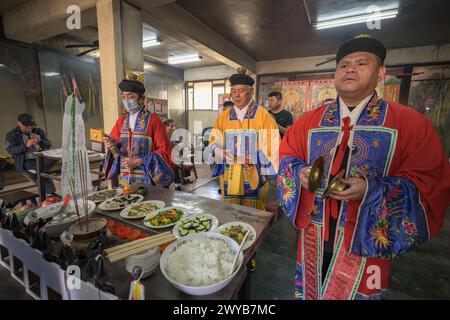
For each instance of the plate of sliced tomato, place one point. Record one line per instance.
(163, 218)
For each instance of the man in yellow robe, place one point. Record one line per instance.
(244, 145)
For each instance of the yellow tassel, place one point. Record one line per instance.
(235, 180)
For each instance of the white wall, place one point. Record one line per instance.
(413, 55)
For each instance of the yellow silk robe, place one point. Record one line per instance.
(254, 143)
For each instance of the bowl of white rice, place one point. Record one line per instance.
(200, 264)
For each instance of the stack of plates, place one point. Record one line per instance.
(149, 261)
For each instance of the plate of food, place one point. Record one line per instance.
(141, 209)
(120, 202)
(195, 224)
(163, 218)
(236, 231)
(103, 195)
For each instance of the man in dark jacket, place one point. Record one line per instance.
(23, 141)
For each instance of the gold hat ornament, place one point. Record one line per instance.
(316, 174)
(336, 184)
(242, 70)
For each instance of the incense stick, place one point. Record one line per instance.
(83, 178)
(74, 197)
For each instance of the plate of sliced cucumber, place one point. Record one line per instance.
(195, 224)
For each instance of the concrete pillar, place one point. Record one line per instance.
(111, 59)
(133, 54)
(120, 38)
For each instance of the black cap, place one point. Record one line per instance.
(362, 43)
(26, 119)
(241, 78)
(132, 86)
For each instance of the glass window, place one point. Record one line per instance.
(203, 95)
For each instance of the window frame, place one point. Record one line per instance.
(221, 83)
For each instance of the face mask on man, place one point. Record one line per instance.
(130, 105)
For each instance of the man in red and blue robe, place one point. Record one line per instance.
(396, 174)
(141, 137)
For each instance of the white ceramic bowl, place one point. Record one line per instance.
(204, 290)
(148, 261)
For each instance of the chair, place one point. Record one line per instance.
(188, 168)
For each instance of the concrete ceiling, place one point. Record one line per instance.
(172, 47)
(168, 47)
(86, 35)
(268, 29)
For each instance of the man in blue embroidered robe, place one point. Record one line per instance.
(396, 174)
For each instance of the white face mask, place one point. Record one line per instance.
(130, 105)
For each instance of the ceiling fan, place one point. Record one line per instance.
(93, 46)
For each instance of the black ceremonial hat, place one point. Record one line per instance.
(362, 43)
(132, 86)
(241, 77)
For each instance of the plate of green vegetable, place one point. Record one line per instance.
(195, 224)
(163, 218)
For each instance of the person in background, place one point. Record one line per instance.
(282, 117)
(182, 171)
(227, 105)
(21, 143)
(170, 127)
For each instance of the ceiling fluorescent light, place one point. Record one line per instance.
(151, 43)
(356, 19)
(185, 59)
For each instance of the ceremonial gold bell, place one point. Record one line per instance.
(316, 174)
(336, 184)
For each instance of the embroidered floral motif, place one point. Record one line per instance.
(331, 115)
(391, 209)
(286, 183)
(380, 235)
(298, 293)
(410, 227)
(373, 111)
(142, 121)
(362, 171)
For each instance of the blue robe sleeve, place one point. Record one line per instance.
(391, 219)
(217, 165)
(111, 165)
(289, 186)
(265, 166)
(157, 170)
